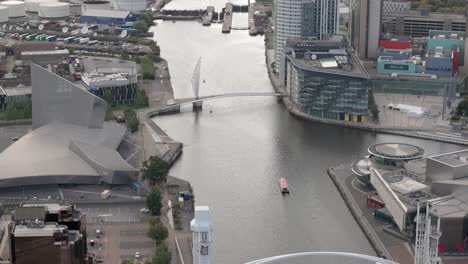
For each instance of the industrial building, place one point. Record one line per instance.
(45, 57)
(326, 80)
(109, 17)
(13, 94)
(68, 125)
(295, 19)
(365, 27)
(117, 76)
(46, 233)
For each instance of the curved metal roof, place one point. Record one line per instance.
(396, 151)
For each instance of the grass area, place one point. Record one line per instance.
(147, 67)
(269, 38)
(17, 110)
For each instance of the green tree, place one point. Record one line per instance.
(462, 108)
(107, 96)
(148, 18)
(140, 26)
(141, 99)
(131, 120)
(158, 232)
(155, 170)
(124, 56)
(154, 201)
(375, 112)
(21, 109)
(162, 256)
(148, 69)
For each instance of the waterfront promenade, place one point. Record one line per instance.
(441, 134)
(382, 236)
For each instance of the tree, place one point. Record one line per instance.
(141, 99)
(21, 109)
(131, 120)
(158, 232)
(462, 108)
(140, 26)
(154, 201)
(375, 112)
(148, 18)
(148, 69)
(162, 256)
(155, 170)
(107, 96)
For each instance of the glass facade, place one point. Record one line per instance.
(409, 86)
(328, 95)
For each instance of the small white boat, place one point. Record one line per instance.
(283, 184)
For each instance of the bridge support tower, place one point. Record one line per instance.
(197, 105)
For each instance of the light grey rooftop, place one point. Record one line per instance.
(70, 142)
(453, 159)
(108, 65)
(45, 151)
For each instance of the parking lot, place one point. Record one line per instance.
(123, 233)
(127, 214)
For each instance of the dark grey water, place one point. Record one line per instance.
(235, 155)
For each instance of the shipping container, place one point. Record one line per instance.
(31, 37)
(69, 40)
(51, 38)
(83, 41)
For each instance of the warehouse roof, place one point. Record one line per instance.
(106, 13)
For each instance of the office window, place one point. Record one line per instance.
(204, 236)
(204, 250)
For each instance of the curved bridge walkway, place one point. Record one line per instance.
(185, 101)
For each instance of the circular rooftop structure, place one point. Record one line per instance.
(396, 151)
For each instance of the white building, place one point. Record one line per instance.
(302, 18)
(201, 235)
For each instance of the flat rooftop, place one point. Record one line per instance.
(108, 65)
(449, 207)
(47, 229)
(416, 14)
(453, 159)
(408, 187)
(16, 91)
(396, 151)
(327, 56)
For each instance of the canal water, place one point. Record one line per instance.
(236, 149)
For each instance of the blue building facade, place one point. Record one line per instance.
(108, 17)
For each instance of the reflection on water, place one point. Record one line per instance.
(235, 155)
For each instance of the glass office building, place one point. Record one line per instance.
(326, 80)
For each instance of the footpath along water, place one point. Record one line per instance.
(235, 155)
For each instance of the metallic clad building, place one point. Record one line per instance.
(59, 100)
(70, 142)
